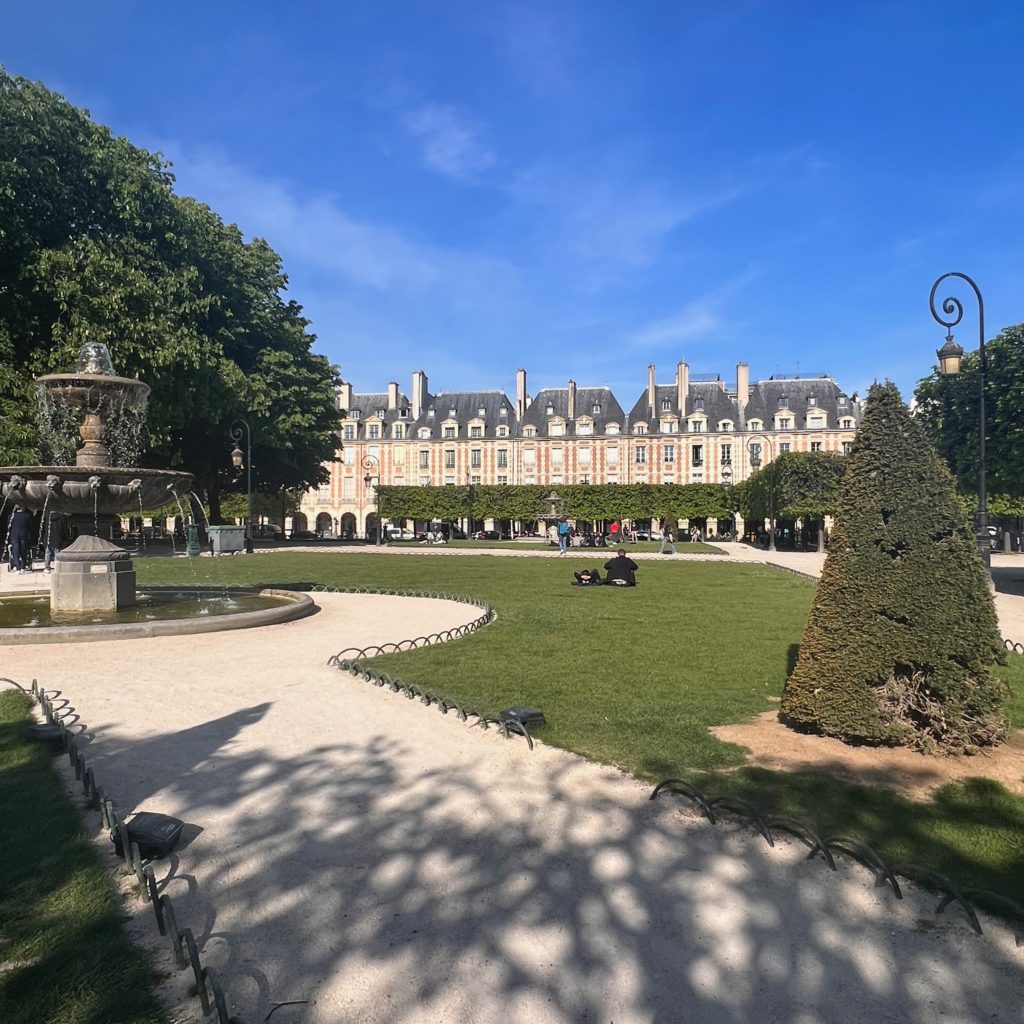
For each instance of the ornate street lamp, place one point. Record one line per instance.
(371, 463)
(238, 459)
(727, 481)
(755, 464)
(950, 359)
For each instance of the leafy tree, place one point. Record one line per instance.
(902, 634)
(95, 245)
(948, 408)
(804, 485)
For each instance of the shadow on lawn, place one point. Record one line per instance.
(386, 892)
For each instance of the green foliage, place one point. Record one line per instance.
(65, 955)
(584, 502)
(902, 635)
(803, 484)
(948, 409)
(96, 245)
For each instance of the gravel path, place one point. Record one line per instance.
(390, 864)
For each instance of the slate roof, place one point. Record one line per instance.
(367, 406)
(558, 399)
(467, 406)
(717, 405)
(765, 395)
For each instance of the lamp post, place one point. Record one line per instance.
(950, 358)
(755, 464)
(237, 461)
(727, 481)
(371, 463)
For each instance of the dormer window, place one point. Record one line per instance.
(640, 428)
(424, 433)
(502, 431)
(403, 413)
(666, 405)
(698, 405)
(841, 400)
(430, 414)
(550, 410)
(529, 431)
(399, 432)
(353, 414)
(755, 425)
(847, 424)
(596, 408)
(503, 411)
(381, 413)
(481, 412)
(783, 402)
(725, 426)
(452, 412)
(612, 428)
(812, 400)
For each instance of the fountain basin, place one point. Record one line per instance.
(85, 490)
(28, 618)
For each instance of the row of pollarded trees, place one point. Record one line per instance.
(801, 485)
(96, 246)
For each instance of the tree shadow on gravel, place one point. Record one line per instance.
(382, 893)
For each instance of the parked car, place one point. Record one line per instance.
(267, 531)
(303, 535)
(490, 535)
(398, 533)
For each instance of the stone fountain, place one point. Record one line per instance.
(92, 574)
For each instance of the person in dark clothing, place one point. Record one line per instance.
(620, 570)
(588, 577)
(53, 538)
(21, 540)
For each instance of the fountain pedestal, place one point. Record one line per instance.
(92, 575)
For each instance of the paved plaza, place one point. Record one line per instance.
(375, 861)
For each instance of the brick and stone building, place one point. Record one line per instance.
(697, 429)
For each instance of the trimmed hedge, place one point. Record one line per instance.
(902, 633)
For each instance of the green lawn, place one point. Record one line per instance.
(687, 548)
(634, 678)
(64, 956)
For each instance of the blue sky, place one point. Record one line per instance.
(582, 187)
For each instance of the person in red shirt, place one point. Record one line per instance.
(615, 532)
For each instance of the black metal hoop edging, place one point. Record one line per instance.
(186, 952)
(855, 849)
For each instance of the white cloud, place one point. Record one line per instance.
(694, 321)
(318, 233)
(451, 144)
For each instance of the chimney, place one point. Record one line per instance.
(393, 394)
(682, 385)
(345, 396)
(742, 385)
(572, 399)
(520, 393)
(652, 394)
(419, 393)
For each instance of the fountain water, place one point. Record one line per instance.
(91, 573)
(92, 484)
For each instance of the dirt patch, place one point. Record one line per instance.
(773, 745)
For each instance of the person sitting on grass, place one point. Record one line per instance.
(621, 570)
(588, 578)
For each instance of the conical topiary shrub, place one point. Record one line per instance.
(902, 634)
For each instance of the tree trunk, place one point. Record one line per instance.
(821, 535)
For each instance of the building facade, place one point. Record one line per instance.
(696, 429)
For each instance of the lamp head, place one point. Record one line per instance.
(236, 458)
(951, 355)
(727, 475)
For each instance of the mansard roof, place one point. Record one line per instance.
(369, 403)
(467, 406)
(765, 395)
(586, 398)
(717, 405)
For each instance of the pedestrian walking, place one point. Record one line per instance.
(20, 539)
(668, 540)
(53, 538)
(563, 535)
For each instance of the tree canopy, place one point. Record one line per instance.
(95, 245)
(902, 634)
(948, 408)
(802, 485)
